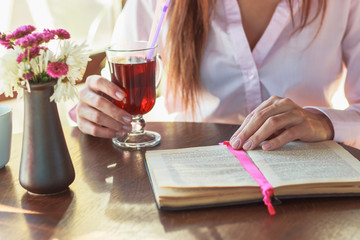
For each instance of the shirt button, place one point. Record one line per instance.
(251, 75)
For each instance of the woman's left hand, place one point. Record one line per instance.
(278, 121)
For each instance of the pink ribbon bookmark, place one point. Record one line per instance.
(266, 188)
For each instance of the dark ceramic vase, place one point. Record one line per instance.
(46, 166)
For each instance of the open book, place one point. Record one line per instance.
(212, 175)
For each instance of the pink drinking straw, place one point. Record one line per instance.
(158, 28)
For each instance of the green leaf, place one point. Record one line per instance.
(44, 79)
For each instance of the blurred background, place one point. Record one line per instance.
(86, 20)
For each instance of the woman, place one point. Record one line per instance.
(271, 65)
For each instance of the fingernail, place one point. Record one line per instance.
(247, 145)
(266, 146)
(127, 128)
(120, 96)
(235, 143)
(126, 119)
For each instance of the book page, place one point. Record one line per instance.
(300, 162)
(213, 166)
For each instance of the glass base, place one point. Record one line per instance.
(138, 140)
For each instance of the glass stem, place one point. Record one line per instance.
(138, 124)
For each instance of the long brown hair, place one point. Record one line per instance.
(187, 36)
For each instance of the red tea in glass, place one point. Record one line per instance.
(133, 67)
(137, 78)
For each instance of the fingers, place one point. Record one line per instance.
(96, 114)
(96, 130)
(248, 118)
(94, 122)
(283, 123)
(101, 119)
(285, 137)
(256, 119)
(90, 98)
(99, 84)
(280, 121)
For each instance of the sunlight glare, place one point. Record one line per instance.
(9, 209)
(339, 101)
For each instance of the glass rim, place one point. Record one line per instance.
(108, 48)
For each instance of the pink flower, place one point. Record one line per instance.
(20, 58)
(27, 41)
(34, 52)
(57, 69)
(28, 75)
(39, 38)
(31, 40)
(6, 43)
(48, 35)
(62, 33)
(21, 32)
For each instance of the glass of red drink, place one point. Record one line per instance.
(133, 67)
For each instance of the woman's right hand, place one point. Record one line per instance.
(99, 116)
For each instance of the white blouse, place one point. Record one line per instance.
(305, 67)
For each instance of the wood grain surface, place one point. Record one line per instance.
(111, 198)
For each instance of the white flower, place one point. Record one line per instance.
(76, 57)
(35, 54)
(40, 63)
(64, 90)
(8, 72)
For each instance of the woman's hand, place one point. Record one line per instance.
(96, 114)
(278, 121)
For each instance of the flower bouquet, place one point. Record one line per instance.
(30, 57)
(40, 72)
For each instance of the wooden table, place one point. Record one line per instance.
(111, 198)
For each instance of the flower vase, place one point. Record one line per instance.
(46, 166)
